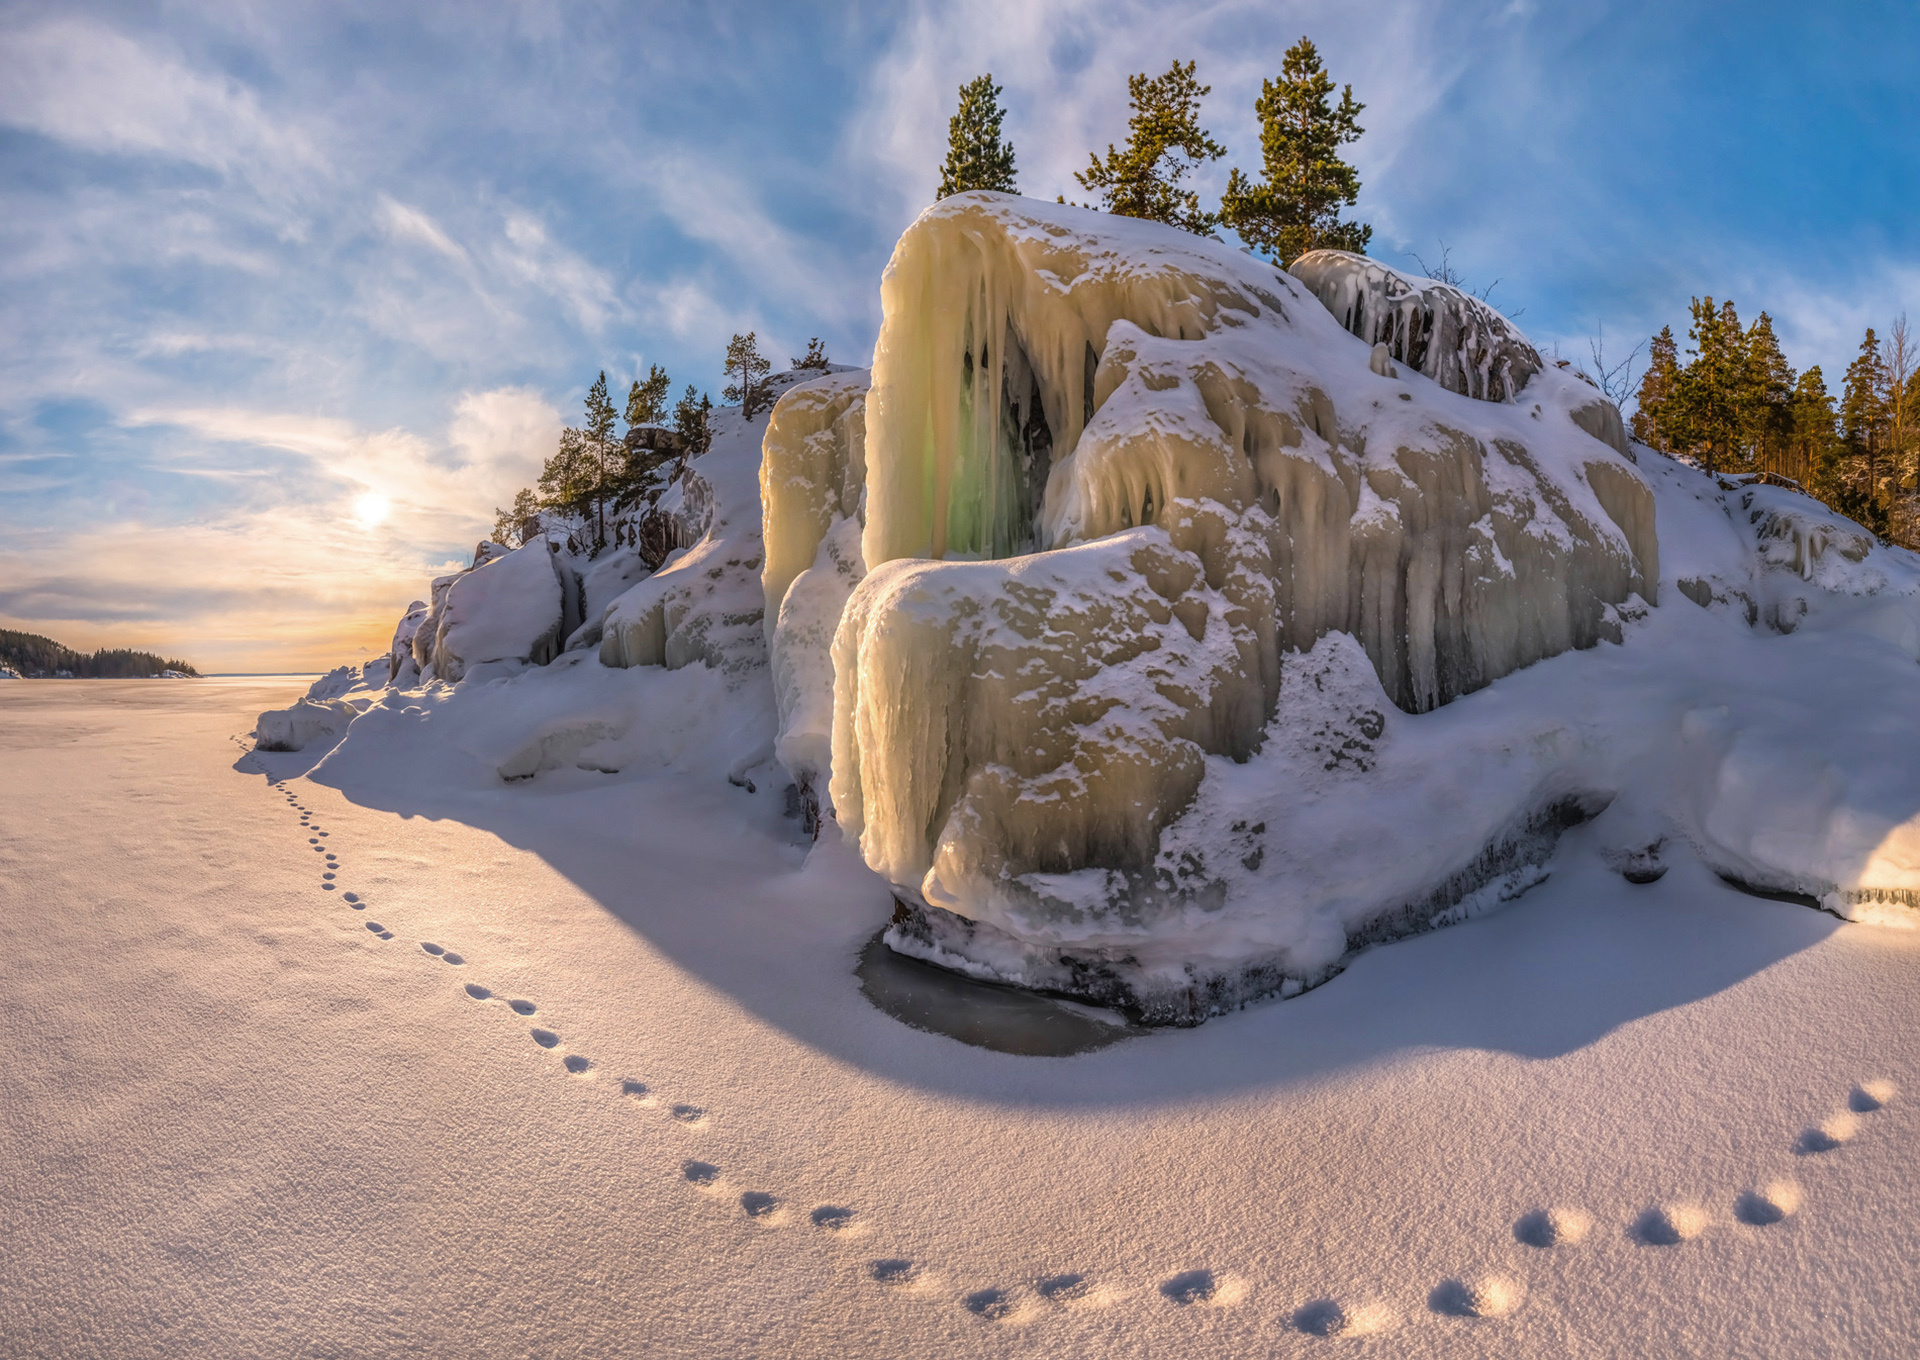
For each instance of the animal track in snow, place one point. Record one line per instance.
(1668, 1225)
(432, 948)
(705, 1175)
(636, 1090)
(577, 1064)
(762, 1207)
(352, 897)
(1869, 1096)
(1330, 1317)
(1192, 1287)
(478, 993)
(689, 1114)
(834, 1218)
(522, 1007)
(1483, 1296)
(1767, 1206)
(1072, 1291)
(546, 1038)
(997, 1305)
(452, 958)
(1829, 1134)
(896, 1272)
(1554, 1227)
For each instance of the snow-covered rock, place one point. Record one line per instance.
(1160, 639)
(1180, 467)
(1449, 335)
(509, 609)
(308, 721)
(334, 683)
(705, 604)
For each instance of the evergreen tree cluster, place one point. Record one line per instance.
(1733, 404)
(598, 473)
(1293, 206)
(34, 656)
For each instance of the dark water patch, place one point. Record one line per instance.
(983, 1014)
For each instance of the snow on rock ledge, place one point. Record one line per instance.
(1452, 337)
(705, 604)
(1177, 467)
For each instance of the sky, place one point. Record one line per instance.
(295, 295)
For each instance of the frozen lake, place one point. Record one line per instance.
(585, 1068)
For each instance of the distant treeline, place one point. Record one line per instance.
(37, 657)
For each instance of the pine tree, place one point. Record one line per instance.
(1296, 206)
(1864, 412)
(1703, 415)
(1164, 142)
(1766, 396)
(508, 524)
(690, 422)
(605, 451)
(1656, 390)
(647, 401)
(566, 482)
(1815, 443)
(750, 387)
(976, 157)
(815, 357)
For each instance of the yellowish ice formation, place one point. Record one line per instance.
(1113, 474)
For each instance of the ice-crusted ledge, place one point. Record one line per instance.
(1192, 992)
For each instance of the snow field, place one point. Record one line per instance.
(1486, 1295)
(399, 1164)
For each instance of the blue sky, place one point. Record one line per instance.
(296, 294)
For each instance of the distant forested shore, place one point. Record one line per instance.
(38, 658)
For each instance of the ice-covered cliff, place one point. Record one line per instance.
(1163, 627)
(1113, 474)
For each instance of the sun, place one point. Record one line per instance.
(371, 508)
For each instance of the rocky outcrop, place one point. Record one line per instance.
(1452, 337)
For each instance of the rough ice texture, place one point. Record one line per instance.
(1451, 336)
(706, 603)
(812, 483)
(1182, 467)
(511, 608)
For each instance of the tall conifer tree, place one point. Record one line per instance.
(1703, 415)
(647, 401)
(1295, 206)
(749, 369)
(1656, 390)
(1766, 397)
(1164, 143)
(976, 157)
(1863, 420)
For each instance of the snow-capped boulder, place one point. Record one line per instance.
(403, 668)
(510, 609)
(1451, 336)
(308, 721)
(334, 683)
